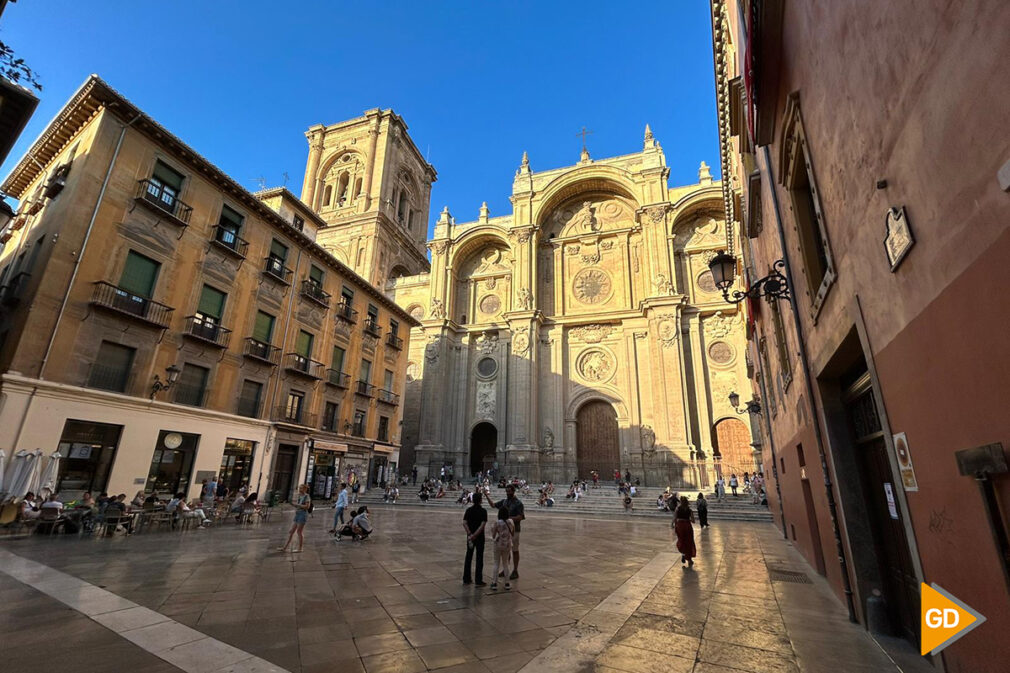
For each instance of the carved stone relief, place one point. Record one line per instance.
(595, 365)
(592, 286)
(437, 308)
(486, 400)
(668, 329)
(487, 343)
(490, 304)
(521, 341)
(719, 325)
(592, 334)
(431, 350)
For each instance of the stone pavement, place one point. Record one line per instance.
(595, 594)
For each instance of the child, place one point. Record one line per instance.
(502, 531)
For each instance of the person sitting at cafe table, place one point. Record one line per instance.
(116, 510)
(29, 507)
(138, 500)
(52, 503)
(187, 512)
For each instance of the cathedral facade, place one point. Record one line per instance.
(580, 332)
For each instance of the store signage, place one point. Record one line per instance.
(905, 468)
(898, 239)
(324, 445)
(892, 508)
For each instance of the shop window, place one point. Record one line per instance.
(88, 451)
(192, 386)
(236, 464)
(111, 368)
(250, 398)
(172, 463)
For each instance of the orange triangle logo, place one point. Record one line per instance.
(944, 619)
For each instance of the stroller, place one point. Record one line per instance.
(349, 529)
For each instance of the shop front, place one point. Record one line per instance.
(383, 465)
(354, 466)
(324, 468)
(172, 462)
(236, 463)
(88, 451)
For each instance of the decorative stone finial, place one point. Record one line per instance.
(650, 140)
(524, 167)
(484, 212)
(445, 217)
(584, 157)
(704, 174)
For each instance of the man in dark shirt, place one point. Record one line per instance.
(474, 521)
(517, 513)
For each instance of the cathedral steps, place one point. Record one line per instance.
(601, 501)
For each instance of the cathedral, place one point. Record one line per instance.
(580, 332)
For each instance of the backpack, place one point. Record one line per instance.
(504, 540)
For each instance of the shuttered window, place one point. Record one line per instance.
(304, 344)
(230, 219)
(111, 368)
(192, 386)
(366, 371)
(139, 275)
(316, 275)
(278, 250)
(387, 381)
(167, 176)
(211, 303)
(338, 358)
(249, 399)
(263, 330)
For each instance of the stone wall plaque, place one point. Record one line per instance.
(898, 239)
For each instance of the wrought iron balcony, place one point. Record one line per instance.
(338, 378)
(258, 350)
(299, 364)
(365, 388)
(346, 312)
(314, 291)
(273, 267)
(388, 396)
(108, 296)
(157, 196)
(394, 341)
(11, 293)
(205, 329)
(230, 241)
(294, 416)
(372, 326)
(190, 395)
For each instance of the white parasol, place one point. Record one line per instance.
(48, 481)
(3, 464)
(33, 473)
(18, 463)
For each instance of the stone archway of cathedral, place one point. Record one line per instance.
(483, 447)
(597, 443)
(732, 447)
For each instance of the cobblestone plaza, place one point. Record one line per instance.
(594, 594)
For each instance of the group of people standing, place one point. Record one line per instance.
(504, 531)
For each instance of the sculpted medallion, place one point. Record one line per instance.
(490, 304)
(595, 365)
(592, 286)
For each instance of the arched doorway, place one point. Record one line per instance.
(597, 444)
(732, 447)
(483, 445)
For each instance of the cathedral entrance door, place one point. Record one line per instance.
(483, 446)
(597, 443)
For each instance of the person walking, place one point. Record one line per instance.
(355, 488)
(338, 515)
(733, 484)
(503, 532)
(702, 505)
(627, 476)
(516, 513)
(756, 489)
(683, 518)
(720, 488)
(303, 504)
(474, 522)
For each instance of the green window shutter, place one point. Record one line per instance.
(167, 176)
(230, 219)
(263, 330)
(316, 274)
(212, 302)
(139, 275)
(366, 371)
(304, 344)
(388, 380)
(338, 358)
(278, 249)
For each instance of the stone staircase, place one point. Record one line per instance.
(603, 501)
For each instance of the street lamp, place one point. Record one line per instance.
(753, 407)
(171, 376)
(773, 286)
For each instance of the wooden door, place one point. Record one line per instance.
(597, 441)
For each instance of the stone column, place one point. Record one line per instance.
(704, 441)
(373, 139)
(315, 136)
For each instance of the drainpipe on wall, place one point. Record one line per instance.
(808, 380)
(73, 275)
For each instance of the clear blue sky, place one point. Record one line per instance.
(477, 82)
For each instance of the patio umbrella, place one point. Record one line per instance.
(3, 464)
(34, 473)
(52, 471)
(18, 463)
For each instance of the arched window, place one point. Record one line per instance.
(357, 188)
(328, 195)
(342, 188)
(401, 211)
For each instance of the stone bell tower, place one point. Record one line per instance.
(367, 179)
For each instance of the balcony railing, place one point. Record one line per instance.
(205, 329)
(133, 305)
(346, 312)
(364, 388)
(248, 406)
(259, 350)
(164, 199)
(394, 341)
(338, 378)
(190, 395)
(300, 364)
(293, 415)
(312, 290)
(108, 377)
(11, 293)
(230, 241)
(372, 326)
(274, 268)
(388, 396)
